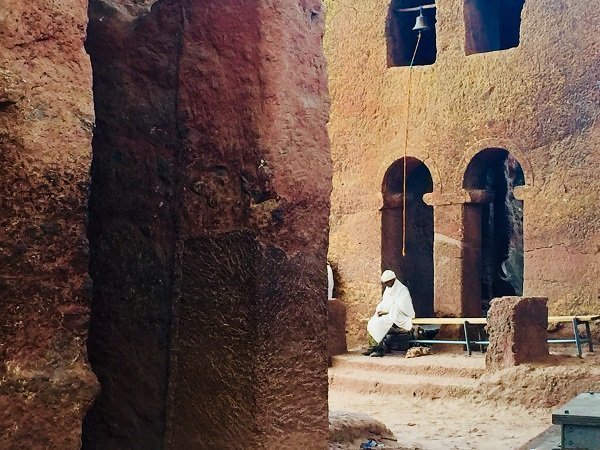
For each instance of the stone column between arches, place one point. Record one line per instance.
(457, 252)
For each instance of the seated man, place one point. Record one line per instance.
(395, 308)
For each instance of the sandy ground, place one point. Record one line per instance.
(446, 423)
(449, 401)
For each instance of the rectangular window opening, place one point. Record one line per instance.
(492, 25)
(402, 39)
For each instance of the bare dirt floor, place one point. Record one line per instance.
(449, 401)
(446, 424)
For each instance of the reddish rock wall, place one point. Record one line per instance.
(210, 199)
(538, 101)
(46, 119)
(253, 214)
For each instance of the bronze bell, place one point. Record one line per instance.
(421, 22)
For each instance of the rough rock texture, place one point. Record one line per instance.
(209, 208)
(538, 101)
(336, 327)
(46, 119)
(517, 327)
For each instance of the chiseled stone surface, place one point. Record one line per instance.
(538, 101)
(46, 119)
(518, 332)
(210, 200)
(251, 314)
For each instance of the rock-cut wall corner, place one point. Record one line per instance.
(251, 317)
(207, 223)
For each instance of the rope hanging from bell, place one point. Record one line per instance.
(420, 26)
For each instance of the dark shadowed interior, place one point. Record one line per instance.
(415, 269)
(498, 172)
(402, 39)
(492, 25)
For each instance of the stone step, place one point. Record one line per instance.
(392, 383)
(441, 365)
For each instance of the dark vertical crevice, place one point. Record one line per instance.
(177, 260)
(131, 225)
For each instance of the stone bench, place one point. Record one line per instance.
(464, 321)
(576, 320)
(577, 338)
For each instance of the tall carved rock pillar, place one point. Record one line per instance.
(457, 252)
(210, 201)
(249, 346)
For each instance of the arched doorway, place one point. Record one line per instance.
(415, 269)
(497, 172)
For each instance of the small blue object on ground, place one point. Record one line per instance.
(371, 443)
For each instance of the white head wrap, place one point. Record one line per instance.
(387, 275)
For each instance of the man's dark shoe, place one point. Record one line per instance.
(378, 352)
(368, 351)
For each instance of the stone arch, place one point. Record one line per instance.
(500, 143)
(394, 175)
(418, 153)
(416, 268)
(494, 173)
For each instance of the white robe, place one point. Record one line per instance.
(329, 282)
(397, 303)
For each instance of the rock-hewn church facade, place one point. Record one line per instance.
(502, 153)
